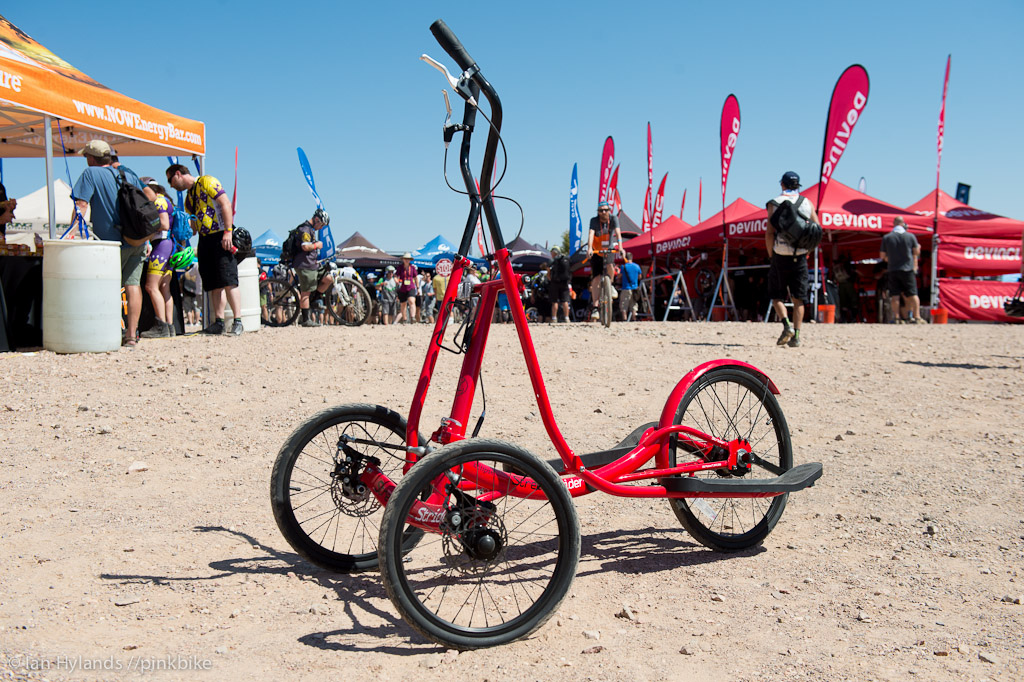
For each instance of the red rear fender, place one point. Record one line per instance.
(668, 413)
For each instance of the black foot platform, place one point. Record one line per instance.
(593, 460)
(797, 478)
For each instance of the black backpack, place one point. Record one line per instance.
(139, 217)
(560, 269)
(801, 233)
(290, 248)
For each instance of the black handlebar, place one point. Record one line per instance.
(447, 40)
(478, 86)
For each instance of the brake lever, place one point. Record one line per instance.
(441, 68)
(447, 106)
(456, 84)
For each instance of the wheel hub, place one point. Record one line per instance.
(474, 538)
(351, 496)
(483, 544)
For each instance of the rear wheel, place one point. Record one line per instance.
(279, 302)
(605, 305)
(730, 404)
(498, 567)
(352, 305)
(327, 520)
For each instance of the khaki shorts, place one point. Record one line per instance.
(132, 262)
(308, 280)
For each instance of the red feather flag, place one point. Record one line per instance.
(942, 122)
(659, 203)
(849, 98)
(730, 130)
(607, 161)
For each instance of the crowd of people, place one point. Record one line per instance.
(406, 294)
(154, 257)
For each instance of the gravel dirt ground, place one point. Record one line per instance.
(903, 562)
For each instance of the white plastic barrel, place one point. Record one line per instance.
(249, 289)
(81, 296)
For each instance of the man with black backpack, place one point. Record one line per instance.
(787, 276)
(97, 189)
(558, 284)
(303, 245)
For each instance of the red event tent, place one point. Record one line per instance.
(709, 232)
(676, 235)
(663, 237)
(959, 219)
(854, 220)
(973, 242)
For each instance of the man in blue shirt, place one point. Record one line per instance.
(97, 189)
(629, 296)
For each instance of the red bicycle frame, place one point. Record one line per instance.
(610, 478)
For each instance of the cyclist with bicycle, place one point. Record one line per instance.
(604, 237)
(307, 267)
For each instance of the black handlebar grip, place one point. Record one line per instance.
(447, 40)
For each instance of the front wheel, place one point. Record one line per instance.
(349, 303)
(280, 302)
(495, 568)
(605, 307)
(327, 519)
(730, 404)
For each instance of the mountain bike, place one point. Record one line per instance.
(479, 539)
(606, 291)
(347, 300)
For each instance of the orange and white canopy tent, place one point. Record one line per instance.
(39, 90)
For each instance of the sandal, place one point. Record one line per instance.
(129, 343)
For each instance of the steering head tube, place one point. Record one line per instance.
(447, 40)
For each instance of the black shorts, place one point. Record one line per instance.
(404, 296)
(787, 277)
(217, 267)
(902, 282)
(558, 292)
(596, 265)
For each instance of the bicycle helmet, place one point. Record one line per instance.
(242, 241)
(322, 215)
(182, 259)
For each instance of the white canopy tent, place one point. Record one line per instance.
(32, 216)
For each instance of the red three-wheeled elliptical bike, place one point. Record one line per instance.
(478, 539)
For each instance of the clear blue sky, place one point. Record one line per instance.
(342, 80)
